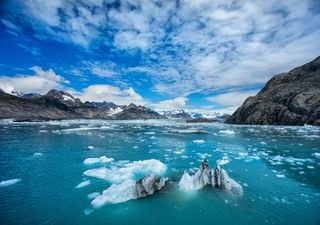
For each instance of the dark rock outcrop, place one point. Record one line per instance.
(291, 98)
(149, 185)
(133, 111)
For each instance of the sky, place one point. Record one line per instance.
(207, 55)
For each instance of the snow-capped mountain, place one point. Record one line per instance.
(186, 114)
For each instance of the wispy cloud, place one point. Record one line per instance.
(185, 46)
(39, 82)
(103, 92)
(171, 104)
(231, 99)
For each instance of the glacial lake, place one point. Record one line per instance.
(52, 172)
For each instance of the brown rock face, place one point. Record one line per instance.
(291, 98)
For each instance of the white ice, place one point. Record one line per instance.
(101, 160)
(120, 172)
(6, 183)
(116, 193)
(83, 184)
(198, 141)
(229, 132)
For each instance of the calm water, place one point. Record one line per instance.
(278, 167)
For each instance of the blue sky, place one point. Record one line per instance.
(192, 54)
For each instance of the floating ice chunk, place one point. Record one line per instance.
(243, 154)
(80, 129)
(229, 132)
(225, 160)
(6, 183)
(280, 176)
(217, 178)
(179, 152)
(93, 195)
(188, 131)
(198, 141)
(310, 167)
(120, 172)
(196, 181)
(229, 184)
(101, 160)
(83, 184)
(317, 155)
(90, 147)
(116, 193)
(129, 190)
(150, 133)
(43, 131)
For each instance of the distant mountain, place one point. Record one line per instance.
(291, 98)
(133, 111)
(177, 114)
(183, 114)
(62, 105)
(30, 95)
(110, 107)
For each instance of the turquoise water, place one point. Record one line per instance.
(278, 168)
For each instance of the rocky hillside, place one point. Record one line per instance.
(62, 105)
(291, 98)
(133, 111)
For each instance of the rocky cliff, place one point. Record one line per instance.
(291, 98)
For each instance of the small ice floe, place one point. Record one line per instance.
(83, 184)
(130, 189)
(225, 160)
(204, 155)
(150, 133)
(179, 152)
(43, 131)
(90, 147)
(135, 147)
(310, 167)
(188, 131)
(100, 160)
(317, 155)
(229, 132)
(280, 175)
(6, 183)
(93, 195)
(198, 141)
(205, 176)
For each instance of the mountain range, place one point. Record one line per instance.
(62, 105)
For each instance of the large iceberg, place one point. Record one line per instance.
(129, 190)
(217, 178)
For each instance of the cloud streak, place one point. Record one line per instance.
(183, 46)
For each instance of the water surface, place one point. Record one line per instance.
(42, 163)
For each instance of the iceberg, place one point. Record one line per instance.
(130, 189)
(217, 178)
